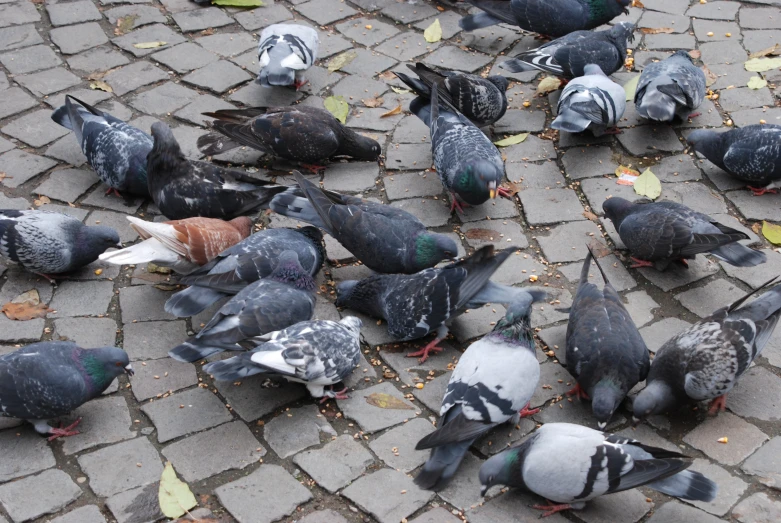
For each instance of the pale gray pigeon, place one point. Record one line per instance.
(592, 101)
(669, 88)
(285, 51)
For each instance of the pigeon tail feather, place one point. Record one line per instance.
(320, 202)
(500, 9)
(189, 352)
(478, 21)
(191, 301)
(516, 66)
(442, 465)
(234, 368)
(213, 144)
(571, 122)
(739, 255)
(687, 484)
(289, 203)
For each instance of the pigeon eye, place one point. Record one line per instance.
(118, 364)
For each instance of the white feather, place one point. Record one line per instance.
(273, 360)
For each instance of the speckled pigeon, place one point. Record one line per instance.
(482, 100)
(592, 101)
(46, 242)
(116, 150)
(493, 383)
(605, 351)
(46, 380)
(469, 165)
(244, 263)
(665, 231)
(670, 88)
(751, 154)
(568, 56)
(546, 17)
(285, 51)
(317, 353)
(569, 465)
(705, 361)
(384, 238)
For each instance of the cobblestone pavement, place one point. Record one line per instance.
(255, 454)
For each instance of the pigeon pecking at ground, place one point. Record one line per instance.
(47, 243)
(665, 231)
(283, 298)
(705, 361)
(482, 100)
(605, 351)
(115, 150)
(46, 380)
(492, 383)
(592, 101)
(317, 353)
(670, 88)
(751, 154)
(384, 238)
(569, 464)
(285, 51)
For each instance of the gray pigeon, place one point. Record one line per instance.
(592, 102)
(751, 154)
(283, 298)
(665, 231)
(45, 242)
(492, 383)
(46, 380)
(285, 51)
(317, 353)
(569, 465)
(705, 361)
(670, 88)
(605, 351)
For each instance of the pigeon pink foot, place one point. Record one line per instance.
(64, 432)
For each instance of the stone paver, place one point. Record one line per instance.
(336, 464)
(122, 466)
(155, 378)
(25, 454)
(296, 430)
(765, 464)
(743, 438)
(371, 493)
(397, 446)
(35, 496)
(185, 413)
(103, 421)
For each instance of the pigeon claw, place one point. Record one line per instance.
(431, 347)
(316, 169)
(640, 263)
(501, 191)
(718, 405)
(552, 508)
(64, 432)
(298, 84)
(579, 391)
(693, 115)
(613, 130)
(455, 204)
(759, 191)
(112, 190)
(526, 411)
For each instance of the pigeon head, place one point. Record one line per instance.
(242, 224)
(515, 326)
(353, 323)
(344, 292)
(431, 248)
(655, 398)
(360, 147)
(605, 399)
(363, 295)
(501, 82)
(166, 153)
(500, 469)
(104, 364)
(621, 33)
(93, 241)
(707, 143)
(683, 54)
(288, 270)
(616, 209)
(477, 180)
(593, 69)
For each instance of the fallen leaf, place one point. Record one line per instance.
(659, 30)
(43, 200)
(548, 85)
(637, 3)
(433, 33)
(758, 65)
(96, 75)
(512, 140)
(396, 110)
(770, 51)
(156, 269)
(149, 45)
(239, 3)
(756, 82)
(26, 306)
(208, 31)
(710, 76)
(103, 86)
(339, 61)
(399, 90)
(166, 287)
(372, 102)
(387, 75)
(174, 495)
(386, 401)
(695, 53)
(481, 234)
(599, 249)
(337, 107)
(512, 189)
(3, 176)
(756, 227)
(591, 216)
(125, 24)
(647, 184)
(772, 232)
(630, 87)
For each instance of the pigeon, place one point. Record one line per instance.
(751, 154)
(705, 361)
(570, 464)
(249, 260)
(592, 101)
(670, 88)
(115, 150)
(492, 383)
(568, 56)
(184, 188)
(482, 100)
(605, 351)
(417, 304)
(317, 353)
(469, 165)
(551, 18)
(384, 238)
(665, 231)
(298, 133)
(283, 298)
(46, 243)
(46, 380)
(285, 51)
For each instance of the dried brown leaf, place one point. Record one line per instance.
(770, 51)
(481, 234)
(695, 53)
(710, 76)
(372, 102)
(103, 86)
(125, 24)
(657, 30)
(591, 216)
(26, 306)
(599, 249)
(386, 401)
(43, 200)
(392, 112)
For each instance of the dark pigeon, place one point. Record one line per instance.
(605, 351)
(384, 238)
(569, 465)
(46, 242)
(285, 51)
(115, 150)
(492, 383)
(665, 231)
(592, 101)
(482, 100)
(317, 353)
(670, 88)
(46, 380)
(705, 361)
(568, 56)
(283, 298)
(751, 154)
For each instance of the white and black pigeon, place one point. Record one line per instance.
(317, 353)
(751, 154)
(46, 380)
(115, 150)
(283, 298)
(285, 51)
(660, 232)
(605, 351)
(669, 88)
(593, 102)
(705, 361)
(569, 465)
(492, 383)
(47, 243)
(568, 56)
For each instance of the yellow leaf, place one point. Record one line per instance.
(647, 184)
(630, 87)
(386, 401)
(337, 107)
(149, 45)
(125, 24)
(772, 232)
(339, 61)
(399, 90)
(548, 84)
(100, 84)
(174, 495)
(770, 51)
(41, 201)
(512, 140)
(759, 65)
(756, 82)
(433, 33)
(392, 112)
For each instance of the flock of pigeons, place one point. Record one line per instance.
(269, 274)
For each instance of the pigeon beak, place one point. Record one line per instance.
(129, 370)
(118, 245)
(483, 490)
(635, 421)
(492, 189)
(602, 425)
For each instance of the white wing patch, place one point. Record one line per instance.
(293, 61)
